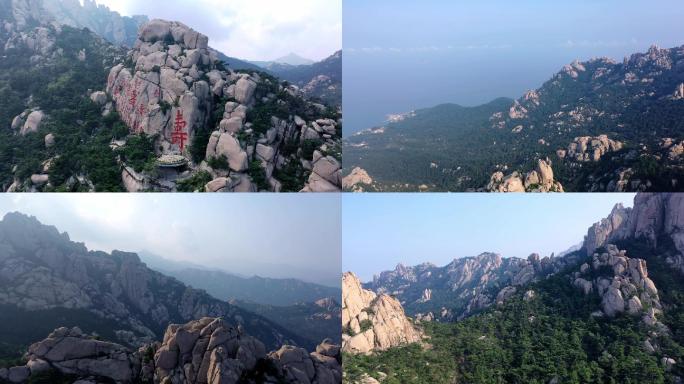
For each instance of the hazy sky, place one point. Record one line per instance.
(402, 55)
(284, 235)
(252, 29)
(381, 230)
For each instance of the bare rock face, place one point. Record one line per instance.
(538, 180)
(653, 215)
(607, 229)
(206, 350)
(72, 352)
(354, 180)
(326, 175)
(296, 365)
(587, 148)
(373, 322)
(627, 288)
(32, 122)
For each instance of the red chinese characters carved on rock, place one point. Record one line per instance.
(134, 98)
(179, 136)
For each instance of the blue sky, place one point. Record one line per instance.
(381, 230)
(273, 235)
(402, 55)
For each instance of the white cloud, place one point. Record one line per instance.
(253, 29)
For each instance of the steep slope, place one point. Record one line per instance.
(117, 29)
(208, 350)
(605, 126)
(53, 135)
(42, 271)
(215, 129)
(373, 322)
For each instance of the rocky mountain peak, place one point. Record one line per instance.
(653, 216)
(208, 350)
(173, 88)
(373, 322)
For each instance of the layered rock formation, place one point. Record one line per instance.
(208, 350)
(373, 322)
(538, 180)
(653, 217)
(41, 269)
(622, 284)
(173, 87)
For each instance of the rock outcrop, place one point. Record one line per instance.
(208, 350)
(653, 216)
(70, 351)
(538, 180)
(173, 88)
(587, 148)
(373, 322)
(622, 284)
(356, 179)
(163, 93)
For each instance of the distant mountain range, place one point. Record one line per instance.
(322, 80)
(47, 281)
(289, 59)
(601, 125)
(228, 286)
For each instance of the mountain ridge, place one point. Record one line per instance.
(633, 104)
(64, 274)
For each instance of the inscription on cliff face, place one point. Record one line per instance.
(179, 136)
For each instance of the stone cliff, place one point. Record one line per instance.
(373, 322)
(233, 126)
(654, 216)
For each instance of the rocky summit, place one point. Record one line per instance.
(165, 115)
(240, 129)
(655, 218)
(373, 322)
(208, 350)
